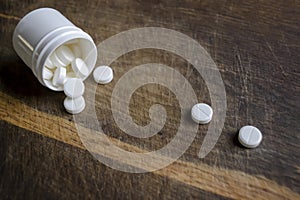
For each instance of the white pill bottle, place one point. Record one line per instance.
(41, 32)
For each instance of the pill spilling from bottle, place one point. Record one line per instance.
(66, 69)
(62, 56)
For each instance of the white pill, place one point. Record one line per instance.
(74, 106)
(80, 68)
(49, 63)
(65, 54)
(74, 88)
(59, 76)
(202, 113)
(47, 73)
(56, 61)
(103, 74)
(250, 136)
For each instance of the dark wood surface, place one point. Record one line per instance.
(255, 45)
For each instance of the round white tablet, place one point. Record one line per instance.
(49, 63)
(65, 54)
(74, 88)
(103, 74)
(56, 61)
(59, 76)
(250, 136)
(80, 68)
(202, 113)
(74, 106)
(47, 73)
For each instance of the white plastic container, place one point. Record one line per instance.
(41, 32)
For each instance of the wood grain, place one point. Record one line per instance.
(255, 45)
(199, 176)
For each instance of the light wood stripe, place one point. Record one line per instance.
(224, 182)
(6, 16)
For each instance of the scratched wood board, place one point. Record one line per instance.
(255, 45)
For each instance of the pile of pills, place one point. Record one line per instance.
(65, 69)
(64, 63)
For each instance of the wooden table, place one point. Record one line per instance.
(255, 45)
